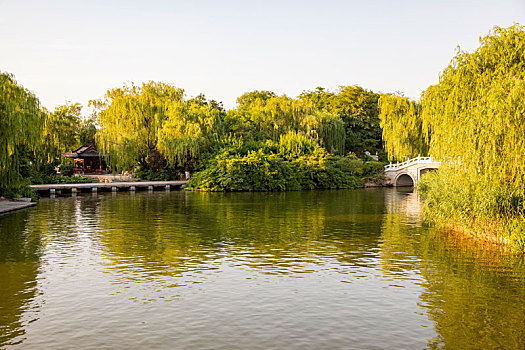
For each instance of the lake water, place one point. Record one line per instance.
(347, 269)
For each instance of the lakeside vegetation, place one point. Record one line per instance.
(267, 143)
(473, 120)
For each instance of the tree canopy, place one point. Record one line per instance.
(138, 123)
(357, 108)
(402, 127)
(21, 121)
(473, 121)
(188, 131)
(61, 130)
(264, 115)
(130, 118)
(475, 116)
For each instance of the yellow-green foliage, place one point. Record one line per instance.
(357, 109)
(61, 130)
(476, 114)
(402, 127)
(188, 130)
(293, 145)
(261, 171)
(475, 123)
(21, 121)
(272, 116)
(137, 122)
(130, 118)
(295, 162)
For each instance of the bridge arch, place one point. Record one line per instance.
(404, 180)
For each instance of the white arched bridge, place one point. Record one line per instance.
(408, 173)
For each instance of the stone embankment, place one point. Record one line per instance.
(7, 205)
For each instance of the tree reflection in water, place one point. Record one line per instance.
(97, 259)
(473, 292)
(19, 267)
(274, 233)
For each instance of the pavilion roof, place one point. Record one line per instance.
(85, 151)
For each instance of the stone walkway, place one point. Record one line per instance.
(9, 205)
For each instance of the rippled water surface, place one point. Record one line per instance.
(298, 270)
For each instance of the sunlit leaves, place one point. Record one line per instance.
(131, 117)
(21, 121)
(272, 116)
(61, 130)
(139, 121)
(357, 109)
(476, 114)
(188, 131)
(402, 127)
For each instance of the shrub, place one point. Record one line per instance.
(259, 171)
(59, 179)
(158, 174)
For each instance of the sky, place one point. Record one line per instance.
(76, 50)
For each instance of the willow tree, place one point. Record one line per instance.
(402, 126)
(188, 131)
(357, 108)
(21, 122)
(277, 115)
(61, 130)
(130, 119)
(327, 129)
(273, 116)
(476, 114)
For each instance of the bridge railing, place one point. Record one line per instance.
(418, 159)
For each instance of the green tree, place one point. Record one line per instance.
(320, 97)
(189, 130)
(61, 131)
(357, 109)
(21, 122)
(270, 116)
(476, 114)
(402, 127)
(473, 120)
(248, 98)
(130, 119)
(88, 130)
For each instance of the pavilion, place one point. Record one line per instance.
(87, 160)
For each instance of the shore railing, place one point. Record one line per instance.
(409, 162)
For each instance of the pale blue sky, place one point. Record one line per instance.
(76, 50)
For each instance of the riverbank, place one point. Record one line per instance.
(471, 207)
(7, 205)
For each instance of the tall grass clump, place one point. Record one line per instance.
(472, 207)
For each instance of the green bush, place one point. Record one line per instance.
(355, 166)
(259, 171)
(66, 169)
(349, 165)
(372, 169)
(158, 175)
(20, 191)
(59, 179)
(293, 145)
